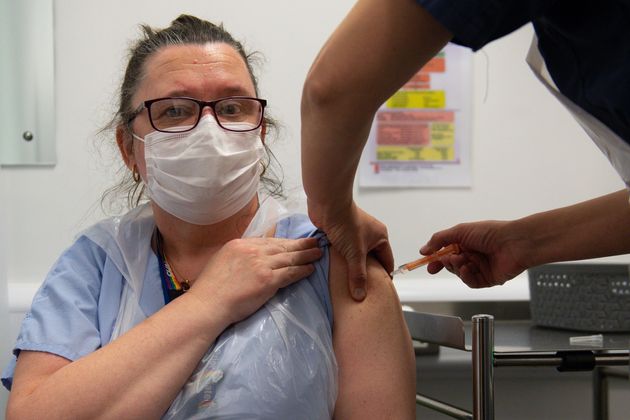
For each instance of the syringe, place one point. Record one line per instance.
(450, 249)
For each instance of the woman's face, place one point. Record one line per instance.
(204, 72)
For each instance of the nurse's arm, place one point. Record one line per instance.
(494, 252)
(373, 348)
(373, 52)
(592, 229)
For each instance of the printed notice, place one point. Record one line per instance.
(421, 136)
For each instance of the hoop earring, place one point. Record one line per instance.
(135, 174)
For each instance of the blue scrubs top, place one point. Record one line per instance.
(74, 311)
(585, 45)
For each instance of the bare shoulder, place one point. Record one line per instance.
(372, 346)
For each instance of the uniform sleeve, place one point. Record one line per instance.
(474, 23)
(300, 226)
(64, 315)
(319, 278)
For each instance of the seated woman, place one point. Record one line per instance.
(209, 300)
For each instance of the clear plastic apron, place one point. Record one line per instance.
(614, 147)
(278, 363)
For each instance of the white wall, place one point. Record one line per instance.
(527, 152)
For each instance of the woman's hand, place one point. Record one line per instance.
(246, 273)
(354, 234)
(492, 252)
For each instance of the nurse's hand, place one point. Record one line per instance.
(492, 252)
(245, 273)
(354, 234)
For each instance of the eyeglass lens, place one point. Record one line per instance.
(180, 114)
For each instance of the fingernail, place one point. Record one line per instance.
(358, 293)
(423, 249)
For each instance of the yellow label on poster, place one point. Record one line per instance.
(418, 99)
(401, 153)
(442, 134)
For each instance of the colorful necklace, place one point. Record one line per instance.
(172, 287)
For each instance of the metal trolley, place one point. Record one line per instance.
(516, 343)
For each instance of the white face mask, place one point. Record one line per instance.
(205, 175)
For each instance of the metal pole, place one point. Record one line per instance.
(600, 395)
(443, 407)
(553, 359)
(483, 367)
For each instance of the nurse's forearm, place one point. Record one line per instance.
(136, 376)
(374, 51)
(592, 229)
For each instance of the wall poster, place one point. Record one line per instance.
(421, 136)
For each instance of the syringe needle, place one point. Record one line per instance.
(399, 270)
(450, 249)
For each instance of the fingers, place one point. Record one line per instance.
(373, 239)
(357, 277)
(383, 253)
(279, 245)
(286, 276)
(471, 268)
(354, 233)
(439, 240)
(290, 259)
(435, 267)
(476, 280)
(295, 258)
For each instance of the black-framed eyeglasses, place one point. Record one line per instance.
(181, 114)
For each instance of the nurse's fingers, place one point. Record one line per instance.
(471, 276)
(441, 239)
(452, 262)
(477, 272)
(384, 254)
(435, 267)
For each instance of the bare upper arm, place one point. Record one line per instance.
(372, 346)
